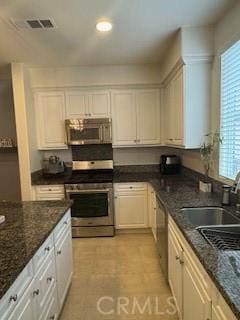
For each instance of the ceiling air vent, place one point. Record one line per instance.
(34, 23)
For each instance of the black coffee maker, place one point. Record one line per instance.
(170, 164)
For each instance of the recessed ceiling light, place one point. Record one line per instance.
(104, 26)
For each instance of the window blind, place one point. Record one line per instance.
(229, 158)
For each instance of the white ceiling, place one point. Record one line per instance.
(142, 29)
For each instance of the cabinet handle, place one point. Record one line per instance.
(52, 317)
(65, 222)
(115, 197)
(49, 189)
(181, 261)
(177, 258)
(90, 114)
(36, 292)
(49, 279)
(47, 249)
(13, 298)
(59, 252)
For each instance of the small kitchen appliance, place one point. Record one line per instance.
(53, 166)
(170, 164)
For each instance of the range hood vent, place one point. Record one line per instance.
(34, 24)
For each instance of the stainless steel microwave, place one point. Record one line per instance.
(88, 131)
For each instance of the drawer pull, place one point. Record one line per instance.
(13, 298)
(49, 189)
(47, 249)
(59, 252)
(36, 292)
(65, 222)
(177, 258)
(181, 261)
(53, 317)
(49, 279)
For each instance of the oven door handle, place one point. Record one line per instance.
(88, 191)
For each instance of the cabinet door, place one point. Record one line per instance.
(45, 282)
(177, 105)
(25, 309)
(99, 104)
(175, 270)
(195, 298)
(217, 314)
(168, 114)
(50, 116)
(124, 118)
(148, 117)
(131, 210)
(64, 265)
(77, 104)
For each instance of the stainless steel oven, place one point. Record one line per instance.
(88, 131)
(92, 210)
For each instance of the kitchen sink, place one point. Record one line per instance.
(222, 237)
(205, 216)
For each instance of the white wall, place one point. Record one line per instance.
(41, 77)
(9, 169)
(141, 156)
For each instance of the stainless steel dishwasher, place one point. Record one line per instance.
(162, 236)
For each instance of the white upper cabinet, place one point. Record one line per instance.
(124, 118)
(50, 116)
(99, 104)
(87, 104)
(76, 104)
(186, 106)
(148, 117)
(136, 117)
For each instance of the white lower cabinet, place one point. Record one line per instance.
(175, 270)
(195, 294)
(196, 299)
(63, 252)
(131, 206)
(25, 308)
(48, 192)
(40, 290)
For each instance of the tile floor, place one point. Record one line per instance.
(118, 278)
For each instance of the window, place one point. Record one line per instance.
(229, 158)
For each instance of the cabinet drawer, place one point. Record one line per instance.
(43, 253)
(46, 281)
(50, 197)
(51, 309)
(63, 225)
(49, 189)
(16, 291)
(136, 186)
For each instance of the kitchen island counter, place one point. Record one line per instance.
(27, 226)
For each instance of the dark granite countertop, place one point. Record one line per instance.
(176, 192)
(26, 227)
